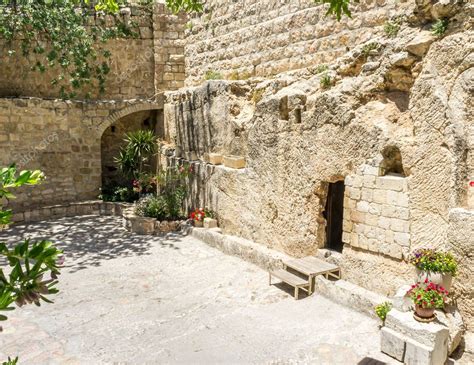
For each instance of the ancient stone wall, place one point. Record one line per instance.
(298, 134)
(239, 39)
(63, 139)
(140, 66)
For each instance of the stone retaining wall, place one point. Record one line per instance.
(265, 37)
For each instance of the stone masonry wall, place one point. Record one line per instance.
(377, 215)
(297, 135)
(63, 139)
(262, 38)
(141, 66)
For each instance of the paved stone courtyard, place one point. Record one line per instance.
(128, 299)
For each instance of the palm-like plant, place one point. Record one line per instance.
(135, 156)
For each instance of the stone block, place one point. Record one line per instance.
(210, 223)
(402, 239)
(432, 335)
(354, 193)
(362, 206)
(234, 162)
(401, 301)
(215, 158)
(418, 354)
(398, 225)
(392, 343)
(380, 196)
(399, 199)
(395, 183)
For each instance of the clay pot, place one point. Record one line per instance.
(445, 280)
(424, 312)
(198, 224)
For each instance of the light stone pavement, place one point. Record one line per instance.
(129, 299)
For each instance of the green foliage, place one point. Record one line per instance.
(9, 178)
(184, 5)
(325, 81)
(236, 75)
(391, 28)
(337, 7)
(439, 27)
(55, 35)
(135, 157)
(29, 261)
(428, 295)
(171, 186)
(382, 310)
(434, 261)
(118, 194)
(213, 75)
(369, 47)
(11, 361)
(321, 68)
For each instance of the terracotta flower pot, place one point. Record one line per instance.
(424, 312)
(445, 280)
(198, 223)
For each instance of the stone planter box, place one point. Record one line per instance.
(149, 226)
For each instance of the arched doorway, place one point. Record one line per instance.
(113, 140)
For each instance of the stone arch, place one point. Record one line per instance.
(131, 107)
(145, 115)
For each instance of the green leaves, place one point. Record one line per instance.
(184, 5)
(337, 7)
(29, 262)
(54, 35)
(133, 158)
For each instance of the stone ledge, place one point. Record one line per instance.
(252, 252)
(349, 295)
(88, 207)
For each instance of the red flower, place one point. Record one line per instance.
(471, 184)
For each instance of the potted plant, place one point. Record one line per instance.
(438, 267)
(427, 296)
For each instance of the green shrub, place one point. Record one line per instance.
(321, 68)
(118, 194)
(367, 48)
(391, 28)
(257, 95)
(325, 81)
(135, 157)
(382, 310)
(439, 27)
(11, 361)
(213, 75)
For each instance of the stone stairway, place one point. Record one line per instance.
(309, 267)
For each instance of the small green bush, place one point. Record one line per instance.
(391, 28)
(382, 310)
(439, 27)
(257, 95)
(118, 194)
(366, 49)
(213, 75)
(321, 68)
(11, 361)
(325, 81)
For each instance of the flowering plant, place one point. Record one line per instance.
(428, 294)
(427, 259)
(199, 214)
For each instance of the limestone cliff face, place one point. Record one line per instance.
(302, 130)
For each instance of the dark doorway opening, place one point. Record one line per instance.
(334, 215)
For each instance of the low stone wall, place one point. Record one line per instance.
(149, 226)
(92, 207)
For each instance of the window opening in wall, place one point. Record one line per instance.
(334, 216)
(392, 162)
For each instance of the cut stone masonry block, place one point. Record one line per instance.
(234, 162)
(210, 223)
(215, 158)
